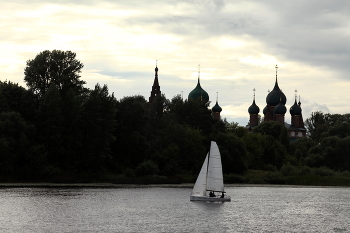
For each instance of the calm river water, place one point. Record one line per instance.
(168, 209)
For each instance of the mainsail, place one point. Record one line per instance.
(215, 180)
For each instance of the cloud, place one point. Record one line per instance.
(237, 44)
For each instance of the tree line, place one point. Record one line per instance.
(56, 129)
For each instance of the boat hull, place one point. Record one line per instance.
(210, 199)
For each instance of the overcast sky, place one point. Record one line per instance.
(237, 44)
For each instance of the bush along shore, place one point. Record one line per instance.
(288, 175)
(57, 130)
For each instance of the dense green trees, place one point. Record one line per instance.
(57, 130)
(330, 135)
(320, 123)
(97, 128)
(60, 68)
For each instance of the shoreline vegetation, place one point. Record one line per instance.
(58, 131)
(116, 186)
(251, 177)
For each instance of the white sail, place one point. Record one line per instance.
(201, 184)
(215, 180)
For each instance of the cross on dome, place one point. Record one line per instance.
(199, 67)
(276, 69)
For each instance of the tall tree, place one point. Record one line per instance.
(233, 153)
(98, 114)
(11, 96)
(277, 130)
(57, 67)
(50, 125)
(321, 125)
(131, 119)
(193, 112)
(17, 147)
(16, 98)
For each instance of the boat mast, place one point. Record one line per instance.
(206, 177)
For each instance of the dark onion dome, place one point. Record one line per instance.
(280, 108)
(295, 109)
(253, 109)
(216, 108)
(156, 69)
(273, 98)
(265, 110)
(199, 93)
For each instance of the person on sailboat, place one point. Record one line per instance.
(222, 195)
(211, 194)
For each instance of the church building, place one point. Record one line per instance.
(198, 93)
(275, 110)
(155, 88)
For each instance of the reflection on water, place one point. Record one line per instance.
(157, 209)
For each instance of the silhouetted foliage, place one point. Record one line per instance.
(277, 130)
(57, 130)
(330, 134)
(60, 68)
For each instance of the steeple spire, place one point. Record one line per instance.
(199, 67)
(155, 83)
(155, 88)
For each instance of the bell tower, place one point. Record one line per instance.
(155, 88)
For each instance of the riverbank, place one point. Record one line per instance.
(272, 177)
(320, 177)
(127, 186)
(284, 181)
(89, 185)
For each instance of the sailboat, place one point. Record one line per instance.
(210, 179)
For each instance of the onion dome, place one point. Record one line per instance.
(265, 110)
(280, 108)
(199, 93)
(216, 108)
(274, 97)
(253, 109)
(295, 109)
